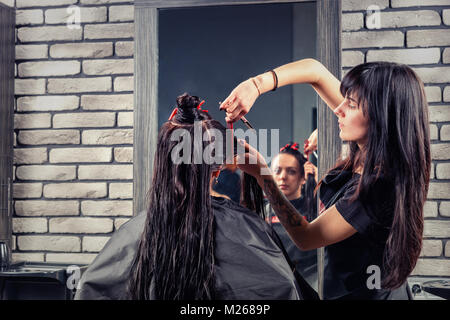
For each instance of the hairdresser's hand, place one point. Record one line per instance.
(240, 100)
(311, 143)
(251, 161)
(310, 169)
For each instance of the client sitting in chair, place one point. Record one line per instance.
(191, 244)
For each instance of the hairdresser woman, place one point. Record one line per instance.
(371, 220)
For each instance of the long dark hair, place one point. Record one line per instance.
(310, 183)
(393, 99)
(175, 258)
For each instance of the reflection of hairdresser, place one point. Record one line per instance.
(190, 244)
(295, 176)
(371, 221)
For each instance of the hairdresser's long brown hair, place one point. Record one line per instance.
(393, 99)
(175, 258)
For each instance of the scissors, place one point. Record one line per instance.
(243, 119)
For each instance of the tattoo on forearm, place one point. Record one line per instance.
(285, 211)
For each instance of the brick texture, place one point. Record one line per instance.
(75, 190)
(30, 155)
(94, 244)
(27, 190)
(31, 51)
(48, 103)
(87, 14)
(80, 225)
(82, 50)
(78, 155)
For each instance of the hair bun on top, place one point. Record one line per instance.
(186, 101)
(187, 108)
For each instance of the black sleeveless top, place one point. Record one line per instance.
(350, 265)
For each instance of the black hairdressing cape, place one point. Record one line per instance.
(249, 262)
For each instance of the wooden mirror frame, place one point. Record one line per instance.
(146, 87)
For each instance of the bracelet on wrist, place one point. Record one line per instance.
(256, 85)
(275, 80)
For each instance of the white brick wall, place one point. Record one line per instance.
(82, 50)
(30, 155)
(121, 13)
(49, 243)
(45, 172)
(35, 34)
(39, 137)
(32, 3)
(84, 120)
(109, 31)
(444, 209)
(74, 119)
(123, 154)
(79, 85)
(87, 14)
(80, 225)
(107, 102)
(119, 222)
(74, 190)
(101, 67)
(47, 68)
(73, 127)
(26, 17)
(71, 258)
(39, 208)
(27, 190)
(31, 51)
(73, 155)
(29, 225)
(121, 191)
(124, 84)
(47, 103)
(93, 244)
(105, 172)
(108, 136)
(417, 33)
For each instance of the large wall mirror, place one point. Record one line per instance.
(207, 47)
(217, 47)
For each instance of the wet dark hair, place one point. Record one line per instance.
(175, 257)
(392, 97)
(310, 184)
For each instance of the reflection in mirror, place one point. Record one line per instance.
(207, 51)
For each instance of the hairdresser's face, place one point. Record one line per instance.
(286, 172)
(353, 124)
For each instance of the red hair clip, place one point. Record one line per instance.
(174, 112)
(200, 105)
(293, 146)
(286, 146)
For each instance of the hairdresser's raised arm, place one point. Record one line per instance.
(330, 227)
(311, 71)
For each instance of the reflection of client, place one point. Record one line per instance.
(291, 171)
(190, 245)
